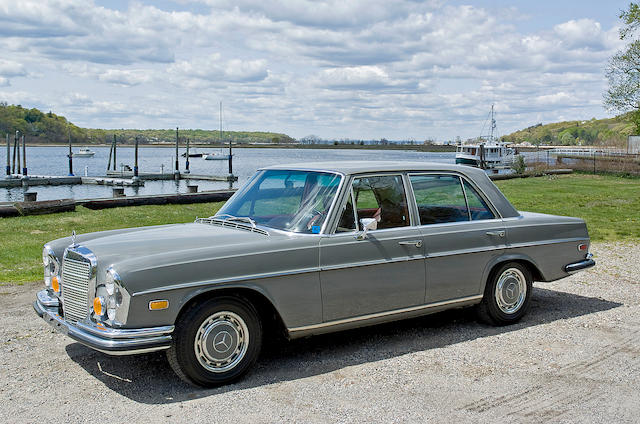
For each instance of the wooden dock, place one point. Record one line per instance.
(9, 209)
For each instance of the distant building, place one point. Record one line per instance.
(633, 144)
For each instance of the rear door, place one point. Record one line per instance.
(461, 231)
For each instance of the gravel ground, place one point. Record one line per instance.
(574, 358)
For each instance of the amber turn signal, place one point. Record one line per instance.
(155, 305)
(98, 303)
(55, 284)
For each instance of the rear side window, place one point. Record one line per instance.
(441, 199)
(478, 209)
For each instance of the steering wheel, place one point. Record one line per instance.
(316, 217)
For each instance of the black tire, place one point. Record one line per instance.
(507, 295)
(216, 341)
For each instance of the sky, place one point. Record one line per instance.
(336, 69)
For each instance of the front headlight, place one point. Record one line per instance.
(108, 297)
(51, 269)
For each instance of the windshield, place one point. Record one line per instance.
(296, 201)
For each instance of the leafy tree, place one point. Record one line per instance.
(623, 70)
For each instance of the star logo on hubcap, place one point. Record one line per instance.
(222, 341)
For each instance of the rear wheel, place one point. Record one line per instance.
(216, 342)
(507, 295)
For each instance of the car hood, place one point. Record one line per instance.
(138, 243)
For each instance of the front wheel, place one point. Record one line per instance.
(215, 342)
(507, 295)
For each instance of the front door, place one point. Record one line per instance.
(381, 272)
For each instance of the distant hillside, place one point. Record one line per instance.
(595, 132)
(51, 128)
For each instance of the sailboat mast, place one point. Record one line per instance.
(493, 124)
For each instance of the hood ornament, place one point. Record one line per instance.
(73, 238)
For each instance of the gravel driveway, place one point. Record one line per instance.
(574, 358)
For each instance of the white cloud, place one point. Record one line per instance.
(125, 78)
(337, 69)
(213, 69)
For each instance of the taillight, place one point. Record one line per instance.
(583, 247)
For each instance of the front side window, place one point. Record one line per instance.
(381, 197)
(441, 199)
(296, 201)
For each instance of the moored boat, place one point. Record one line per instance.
(84, 152)
(487, 153)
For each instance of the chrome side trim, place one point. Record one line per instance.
(545, 242)
(373, 262)
(227, 280)
(384, 314)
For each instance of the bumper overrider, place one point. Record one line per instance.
(579, 266)
(97, 336)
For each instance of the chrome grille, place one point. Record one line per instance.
(75, 288)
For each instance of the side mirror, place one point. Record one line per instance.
(367, 224)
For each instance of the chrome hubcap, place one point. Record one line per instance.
(511, 290)
(221, 341)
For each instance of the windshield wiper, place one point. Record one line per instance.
(229, 217)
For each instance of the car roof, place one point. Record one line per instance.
(477, 175)
(361, 167)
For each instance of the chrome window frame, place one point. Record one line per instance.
(461, 179)
(349, 190)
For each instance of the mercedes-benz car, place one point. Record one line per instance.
(301, 250)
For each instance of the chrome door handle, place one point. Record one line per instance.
(416, 243)
(496, 233)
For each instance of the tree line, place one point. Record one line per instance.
(48, 127)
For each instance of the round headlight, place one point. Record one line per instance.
(46, 259)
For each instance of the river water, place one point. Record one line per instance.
(54, 161)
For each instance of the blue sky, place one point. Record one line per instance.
(359, 69)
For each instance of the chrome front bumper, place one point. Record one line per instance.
(104, 339)
(579, 266)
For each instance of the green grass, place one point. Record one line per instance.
(22, 238)
(610, 205)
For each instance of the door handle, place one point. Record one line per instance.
(416, 243)
(496, 233)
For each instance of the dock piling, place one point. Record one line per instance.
(15, 145)
(135, 165)
(24, 157)
(110, 153)
(70, 157)
(115, 148)
(177, 171)
(187, 163)
(8, 156)
(18, 163)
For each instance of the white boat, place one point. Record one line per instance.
(215, 156)
(487, 153)
(84, 152)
